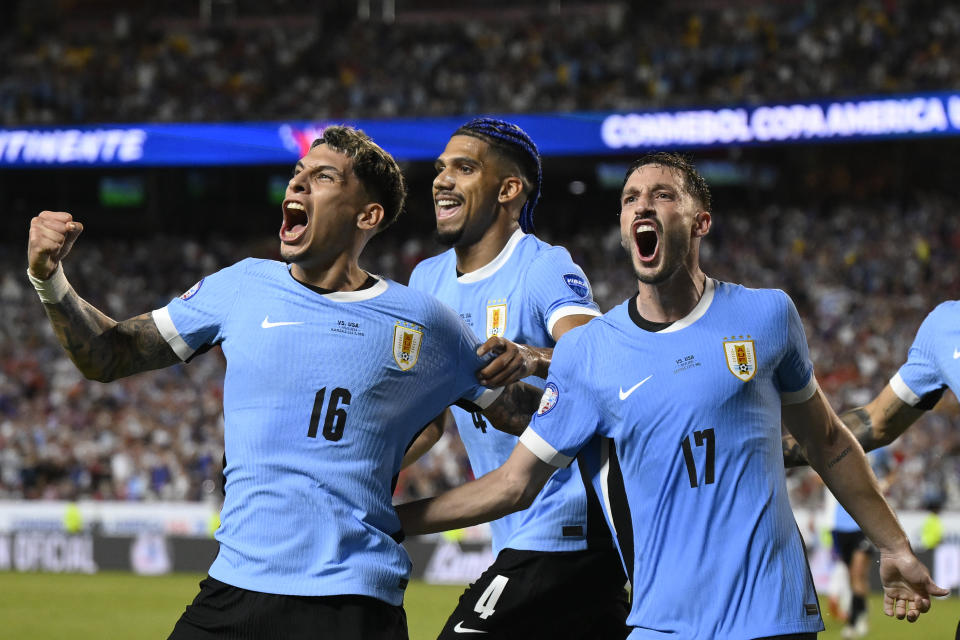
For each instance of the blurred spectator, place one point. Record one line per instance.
(287, 60)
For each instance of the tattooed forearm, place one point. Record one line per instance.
(840, 456)
(104, 349)
(512, 410)
(793, 455)
(861, 425)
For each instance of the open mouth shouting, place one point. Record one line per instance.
(294, 221)
(646, 237)
(446, 205)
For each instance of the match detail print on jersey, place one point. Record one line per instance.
(406, 345)
(496, 318)
(741, 357)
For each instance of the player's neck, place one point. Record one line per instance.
(471, 257)
(343, 273)
(672, 299)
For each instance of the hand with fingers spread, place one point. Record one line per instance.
(52, 234)
(512, 363)
(907, 585)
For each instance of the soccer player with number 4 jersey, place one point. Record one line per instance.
(686, 385)
(556, 573)
(331, 373)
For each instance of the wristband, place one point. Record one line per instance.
(53, 289)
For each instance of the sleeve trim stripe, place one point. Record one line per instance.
(543, 450)
(574, 310)
(169, 332)
(488, 397)
(801, 395)
(903, 392)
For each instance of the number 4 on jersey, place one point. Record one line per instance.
(699, 438)
(488, 599)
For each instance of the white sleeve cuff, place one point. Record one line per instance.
(802, 395)
(488, 397)
(903, 392)
(168, 330)
(563, 312)
(543, 449)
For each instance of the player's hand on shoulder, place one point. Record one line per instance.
(512, 362)
(907, 586)
(52, 234)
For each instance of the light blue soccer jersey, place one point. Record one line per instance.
(322, 395)
(690, 464)
(519, 295)
(933, 361)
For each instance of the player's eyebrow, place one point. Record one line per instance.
(328, 168)
(322, 167)
(442, 162)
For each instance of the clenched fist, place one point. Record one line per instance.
(52, 234)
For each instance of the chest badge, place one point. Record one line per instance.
(741, 357)
(406, 345)
(496, 318)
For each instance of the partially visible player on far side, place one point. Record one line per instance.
(687, 384)
(556, 573)
(330, 373)
(932, 367)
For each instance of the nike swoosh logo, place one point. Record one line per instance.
(626, 394)
(462, 629)
(266, 324)
(956, 353)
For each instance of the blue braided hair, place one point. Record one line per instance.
(512, 142)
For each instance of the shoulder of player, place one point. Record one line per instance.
(258, 266)
(435, 262)
(418, 306)
(947, 310)
(741, 295)
(537, 252)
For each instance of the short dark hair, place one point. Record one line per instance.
(513, 143)
(376, 169)
(693, 181)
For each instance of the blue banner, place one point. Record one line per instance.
(915, 115)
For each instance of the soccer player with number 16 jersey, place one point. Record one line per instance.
(331, 373)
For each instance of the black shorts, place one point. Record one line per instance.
(535, 594)
(223, 611)
(847, 542)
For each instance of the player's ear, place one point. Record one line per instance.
(511, 188)
(701, 224)
(370, 216)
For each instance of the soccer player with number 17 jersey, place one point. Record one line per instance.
(687, 384)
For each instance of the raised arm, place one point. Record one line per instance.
(508, 488)
(102, 348)
(875, 425)
(835, 454)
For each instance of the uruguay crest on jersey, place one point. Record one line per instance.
(406, 345)
(741, 358)
(496, 318)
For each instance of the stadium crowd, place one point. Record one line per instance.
(863, 278)
(277, 60)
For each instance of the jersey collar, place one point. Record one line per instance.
(349, 296)
(494, 265)
(697, 312)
